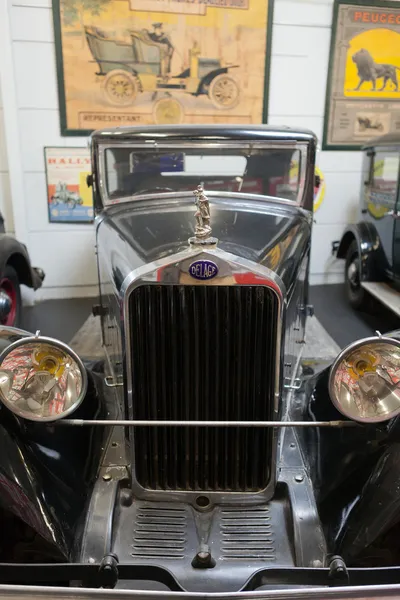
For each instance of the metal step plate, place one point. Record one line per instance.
(385, 294)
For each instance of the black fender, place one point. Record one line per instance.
(369, 247)
(376, 509)
(47, 471)
(207, 79)
(13, 253)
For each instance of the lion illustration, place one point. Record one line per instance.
(369, 70)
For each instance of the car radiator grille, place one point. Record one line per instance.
(207, 353)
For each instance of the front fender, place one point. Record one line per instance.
(207, 79)
(47, 471)
(21, 488)
(13, 253)
(369, 248)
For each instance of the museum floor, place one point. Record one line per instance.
(63, 318)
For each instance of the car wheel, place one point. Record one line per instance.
(357, 296)
(224, 91)
(10, 298)
(120, 87)
(168, 111)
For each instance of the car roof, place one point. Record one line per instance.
(204, 133)
(390, 139)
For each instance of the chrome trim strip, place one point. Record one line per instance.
(36, 592)
(145, 275)
(153, 423)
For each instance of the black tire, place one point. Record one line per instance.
(357, 296)
(9, 282)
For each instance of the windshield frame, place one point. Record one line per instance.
(152, 145)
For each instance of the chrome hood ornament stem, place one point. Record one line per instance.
(203, 217)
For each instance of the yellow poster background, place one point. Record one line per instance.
(384, 48)
(220, 36)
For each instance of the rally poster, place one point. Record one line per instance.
(69, 199)
(363, 95)
(140, 62)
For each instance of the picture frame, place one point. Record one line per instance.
(99, 83)
(69, 199)
(363, 42)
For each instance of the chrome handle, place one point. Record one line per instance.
(109, 381)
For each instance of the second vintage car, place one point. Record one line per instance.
(371, 247)
(203, 455)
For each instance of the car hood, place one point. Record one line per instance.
(269, 233)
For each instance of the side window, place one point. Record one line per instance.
(382, 189)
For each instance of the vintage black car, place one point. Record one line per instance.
(203, 455)
(371, 247)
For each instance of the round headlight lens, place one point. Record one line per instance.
(364, 382)
(41, 379)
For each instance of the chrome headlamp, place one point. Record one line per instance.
(364, 382)
(41, 379)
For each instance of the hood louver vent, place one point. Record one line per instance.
(160, 531)
(247, 534)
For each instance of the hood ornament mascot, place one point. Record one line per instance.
(203, 217)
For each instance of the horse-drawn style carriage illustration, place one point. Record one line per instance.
(144, 65)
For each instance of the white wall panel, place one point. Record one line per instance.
(78, 142)
(5, 202)
(38, 128)
(311, 42)
(3, 149)
(330, 161)
(32, 3)
(296, 87)
(316, 13)
(31, 24)
(341, 201)
(68, 258)
(322, 261)
(35, 75)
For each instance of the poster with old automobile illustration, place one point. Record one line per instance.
(68, 197)
(136, 62)
(363, 95)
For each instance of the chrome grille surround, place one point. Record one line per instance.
(177, 268)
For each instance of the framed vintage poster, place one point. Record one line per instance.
(69, 199)
(136, 62)
(363, 96)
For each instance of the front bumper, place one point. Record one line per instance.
(272, 582)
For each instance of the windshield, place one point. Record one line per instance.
(247, 170)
